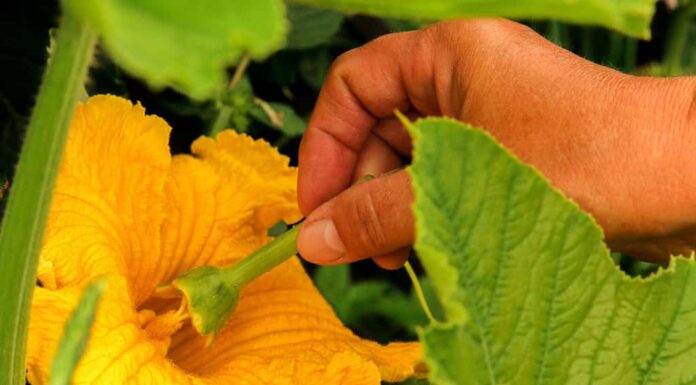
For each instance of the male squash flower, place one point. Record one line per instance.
(125, 209)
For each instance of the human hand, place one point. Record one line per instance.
(618, 145)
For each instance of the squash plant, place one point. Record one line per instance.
(575, 319)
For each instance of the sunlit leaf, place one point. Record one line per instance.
(529, 289)
(629, 16)
(183, 43)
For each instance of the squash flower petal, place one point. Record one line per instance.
(126, 209)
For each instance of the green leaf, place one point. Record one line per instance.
(280, 117)
(629, 16)
(77, 329)
(415, 381)
(333, 282)
(310, 26)
(183, 43)
(314, 66)
(354, 301)
(32, 189)
(530, 293)
(402, 25)
(237, 103)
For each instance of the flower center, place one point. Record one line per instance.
(160, 327)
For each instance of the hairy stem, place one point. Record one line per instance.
(264, 259)
(32, 188)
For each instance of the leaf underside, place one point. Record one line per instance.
(531, 294)
(182, 43)
(631, 17)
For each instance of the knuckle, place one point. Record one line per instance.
(342, 62)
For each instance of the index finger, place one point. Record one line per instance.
(363, 86)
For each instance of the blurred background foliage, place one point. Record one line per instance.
(273, 99)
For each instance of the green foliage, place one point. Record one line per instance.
(237, 104)
(74, 341)
(310, 27)
(357, 301)
(279, 116)
(32, 188)
(676, 52)
(183, 43)
(314, 67)
(240, 107)
(631, 17)
(531, 294)
(555, 316)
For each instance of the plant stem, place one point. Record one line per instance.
(221, 120)
(419, 291)
(223, 116)
(677, 38)
(32, 189)
(264, 259)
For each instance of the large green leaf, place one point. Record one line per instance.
(310, 26)
(530, 292)
(629, 16)
(184, 43)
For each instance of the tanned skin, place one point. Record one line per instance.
(620, 146)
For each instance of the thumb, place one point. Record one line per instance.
(370, 219)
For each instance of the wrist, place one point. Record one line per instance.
(660, 122)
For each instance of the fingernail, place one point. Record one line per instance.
(319, 242)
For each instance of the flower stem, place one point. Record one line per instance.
(32, 188)
(677, 37)
(264, 259)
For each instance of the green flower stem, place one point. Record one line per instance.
(264, 259)
(677, 37)
(212, 293)
(30, 196)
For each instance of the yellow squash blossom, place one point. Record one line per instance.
(125, 209)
